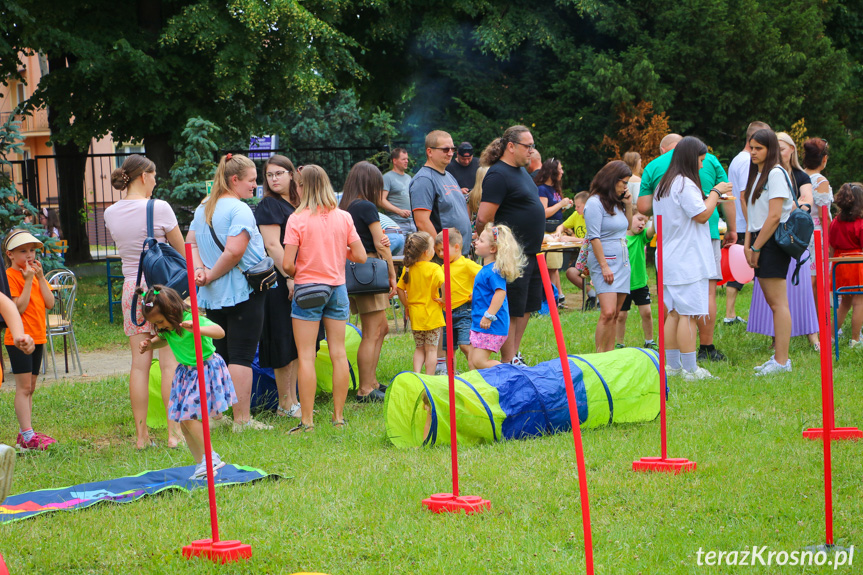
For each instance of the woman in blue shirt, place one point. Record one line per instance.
(223, 289)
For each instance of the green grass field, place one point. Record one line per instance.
(350, 502)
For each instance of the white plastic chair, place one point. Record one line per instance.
(59, 319)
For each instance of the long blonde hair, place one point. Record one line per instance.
(229, 166)
(795, 159)
(475, 195)
(509, 261)
(317, 190)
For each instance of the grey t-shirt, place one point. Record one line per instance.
(397, 187)
(441, 194)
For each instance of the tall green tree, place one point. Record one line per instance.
(140, 69)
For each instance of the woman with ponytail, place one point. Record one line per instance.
(224, 291)
(126, 220)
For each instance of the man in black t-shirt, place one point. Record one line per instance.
(510, 197)
(463, 167)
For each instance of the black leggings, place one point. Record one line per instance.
(242, 324)
(23, 363)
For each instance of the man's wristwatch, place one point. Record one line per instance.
(489, 317)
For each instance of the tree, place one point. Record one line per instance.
(139, 70)
(190, 173)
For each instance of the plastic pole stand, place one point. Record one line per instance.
(836, 434)
(3, 569)
(220, 551)
(674, 465)
(449, 503)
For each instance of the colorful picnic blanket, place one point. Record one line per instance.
(122, 490)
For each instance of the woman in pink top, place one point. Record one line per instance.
(318, 238)
(127, 222)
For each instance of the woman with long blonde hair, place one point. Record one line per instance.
(224, 291)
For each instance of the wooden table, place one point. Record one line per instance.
(847, 290)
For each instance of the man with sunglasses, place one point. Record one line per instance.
(510, 197)
(436, 198)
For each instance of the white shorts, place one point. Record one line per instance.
(688, 299)
(717, 256)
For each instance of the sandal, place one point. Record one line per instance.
(340, 423)
(301, 428)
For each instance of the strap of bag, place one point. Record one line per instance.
(221, 246)
(151, 203)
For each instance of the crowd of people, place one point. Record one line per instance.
(498, 210)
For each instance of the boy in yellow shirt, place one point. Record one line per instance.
(462, 273)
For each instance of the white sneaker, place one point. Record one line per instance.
(201, 468)
(672, 372)
(766, 363)
(440, 369)
(698, 374)
(773, 366)
(252, 424)
(518, 361)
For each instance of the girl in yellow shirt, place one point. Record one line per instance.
(419, 293)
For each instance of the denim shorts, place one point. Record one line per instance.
(337, 307)
(461, 319)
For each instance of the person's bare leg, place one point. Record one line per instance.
(193, 431)
(844, 307)
(671, 322)
(306, 334)
(513, 339)
(431, 352)
(575, 278)
(24, 400)
(776, 294)
(646, 321)
(167, 367)
(374, 327)
(620, 328)
(605, 327)
(856, 316)
(242, 378)
(686, 333)
(554, 276)
(419, 358)
(335, 330)
(139, 388)
(481, 358)
(730, 301)
(286, 384)
(465, 349)
(707, 324)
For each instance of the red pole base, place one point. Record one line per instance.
(836, 434)
(221, 551)
(3, 569)
(448, 503)
(673, 465)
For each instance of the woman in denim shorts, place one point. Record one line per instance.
(316, 238)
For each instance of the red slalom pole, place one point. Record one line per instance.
(663, 463)
(224, 551)
(827, 405)
(573, 412)
(440, 502)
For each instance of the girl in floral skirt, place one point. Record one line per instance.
(164, 308)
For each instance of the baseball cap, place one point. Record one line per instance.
(19, 238)
(465, 149)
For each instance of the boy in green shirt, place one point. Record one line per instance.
(636, 240)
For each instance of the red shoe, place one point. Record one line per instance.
(35, 444)
(45, 439)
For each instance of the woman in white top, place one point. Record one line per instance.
(126, 220)
(767, 202)
(688, 263)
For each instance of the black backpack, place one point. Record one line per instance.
(160, 264)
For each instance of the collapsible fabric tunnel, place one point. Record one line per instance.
(265, 394)
(508, 402)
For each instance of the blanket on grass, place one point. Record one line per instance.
(122, 490)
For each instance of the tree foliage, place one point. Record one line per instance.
(189, 174)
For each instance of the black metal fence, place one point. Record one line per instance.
(39, 182)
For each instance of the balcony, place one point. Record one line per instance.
(33, 125)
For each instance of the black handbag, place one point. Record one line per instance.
(371, 277)
(794, 234)
(261, 276)
(159, 264)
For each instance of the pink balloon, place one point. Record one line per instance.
(738, 267)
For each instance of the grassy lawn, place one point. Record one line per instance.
(350, 502)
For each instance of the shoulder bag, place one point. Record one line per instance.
(159, 264)
(794, 234)
(261, 276)
(371, 277)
